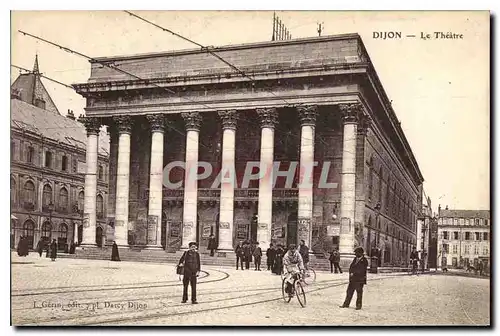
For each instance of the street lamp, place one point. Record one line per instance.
(50, 208)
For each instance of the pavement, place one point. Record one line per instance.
(96, 292)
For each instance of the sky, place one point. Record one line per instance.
(440, 88)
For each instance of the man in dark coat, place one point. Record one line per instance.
(192, 266)
(304, 253)
(212, 245)
(239, 255)
(247, 254)
(357, 279)
(39, 247)
(278, 260)
(20, 246)
(270, 254)
(72, 247)
(257, 255)
(47, 245)
(334, 261)
(53, 250)
(115, 255)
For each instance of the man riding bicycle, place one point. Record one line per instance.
(293, 264)
(414, 260)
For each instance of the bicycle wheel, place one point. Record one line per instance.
(286, 297)
(301, 294)
(310, 276)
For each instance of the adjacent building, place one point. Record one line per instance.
(302, 100)
(48, 160)
(463, 237)
(424, 232)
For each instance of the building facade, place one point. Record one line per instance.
(463, 237)
(47, 164)
(424, 232)
(309, 102)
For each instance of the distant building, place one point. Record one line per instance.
(47, 168)
(463, 237)
(423, 231)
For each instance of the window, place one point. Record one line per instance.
(446, 248)
(445, 235)
(74, 165)
(455, 248)
(47, 196)
(388, 192)
(455, 235)
(478, 235)
(467, 236)
(486, 222)
(29, 192)
(100, 206)
(485, 235)
(12, 191)
(12, 150)
(485, 250)
(380, 180)
(46, 230)
(101, 173)
(466, 249)
(370, 178)
(30, 157)
(63, 199)
(476, 249)
(462, 221)
(81, 201)
(456, 221)
(64, 163)
(48, 159)
(477, 221)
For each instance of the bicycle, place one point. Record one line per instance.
(413, 268)
(297, 289)
(309, 275)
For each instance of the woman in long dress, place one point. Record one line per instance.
(53, 250)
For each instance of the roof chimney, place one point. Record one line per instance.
(446, 207)
(70, 115)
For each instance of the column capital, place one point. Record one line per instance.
(364, 124)
(192, 121)
(307, 114)
(157, 122)
(123, 123)
(268, 117)
(352, 112)
(229, 119)
(92, 124)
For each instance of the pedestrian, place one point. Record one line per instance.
(481, 267)
(47, 254)
(239, 255)
(247, 254)
(357, 279)
(270, 254)
(115, 255)
(257, 256)
(304, 253)
(20, 246)
(25, 249)
(72, 247)
(190, 260)
(278, 260)
(334, 261)
(53, 250)
(39, 247)
(212, 244)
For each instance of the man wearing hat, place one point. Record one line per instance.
(192, 266)
(357, 279)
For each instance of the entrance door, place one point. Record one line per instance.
(98, 236)
(80, 234)
(29, 231)
(291, 229)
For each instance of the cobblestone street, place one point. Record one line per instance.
(85, 292)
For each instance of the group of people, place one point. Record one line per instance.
(246, 251)
(42, 245)
(23, 247)
(276, 253)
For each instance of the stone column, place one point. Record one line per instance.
(307, 117)
(226, 214)
(190, 211)
(157, 122)
(350, 115)
(89, 208)
(124, 125)
(268, 119)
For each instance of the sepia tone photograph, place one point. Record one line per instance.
(250, 168)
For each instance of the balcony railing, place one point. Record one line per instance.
(239, 194)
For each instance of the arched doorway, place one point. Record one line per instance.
(80, 234)
(98, 236)
(62, 239)
(29, 232)
(291, 228)
(46, 232)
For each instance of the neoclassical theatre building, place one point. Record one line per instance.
(291, 102)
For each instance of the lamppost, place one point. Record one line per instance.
(50, 208)
(375, 252)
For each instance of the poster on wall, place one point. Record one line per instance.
(242, 231)
(206, 230)
(152, 229)
(175, 229)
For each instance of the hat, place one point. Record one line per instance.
(359, 249)
(191, 244)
